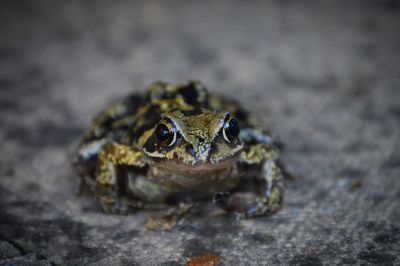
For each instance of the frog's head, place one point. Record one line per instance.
(201, 139)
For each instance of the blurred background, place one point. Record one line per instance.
(323, 75)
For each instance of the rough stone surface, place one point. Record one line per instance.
(323, 75)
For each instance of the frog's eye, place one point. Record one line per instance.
(166, 133)
(231, 129)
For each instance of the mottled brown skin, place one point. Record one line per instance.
(128, 166)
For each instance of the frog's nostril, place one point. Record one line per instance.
(221, 199)
(190, 150)
(218, 197)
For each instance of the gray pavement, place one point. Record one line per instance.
(323, 75)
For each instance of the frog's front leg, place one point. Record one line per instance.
(266, 199)
(112, 158)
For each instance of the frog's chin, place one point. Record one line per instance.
(178, 165)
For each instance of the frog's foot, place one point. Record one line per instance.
(243, 206)
(256, 204)
(118, 205)
(170, 219)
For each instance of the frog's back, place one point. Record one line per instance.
(114, 120)
(126, 120)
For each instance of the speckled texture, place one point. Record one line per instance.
(324, 76)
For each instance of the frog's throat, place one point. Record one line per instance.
(177, 165)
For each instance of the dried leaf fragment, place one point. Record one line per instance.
(204, 260)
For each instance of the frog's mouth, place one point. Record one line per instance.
(189, 162)
(196, 168)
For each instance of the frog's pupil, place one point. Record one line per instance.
(163, 132)
(233, 128)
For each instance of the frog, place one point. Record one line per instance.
(176, 144)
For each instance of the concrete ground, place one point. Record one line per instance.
(323, 75)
